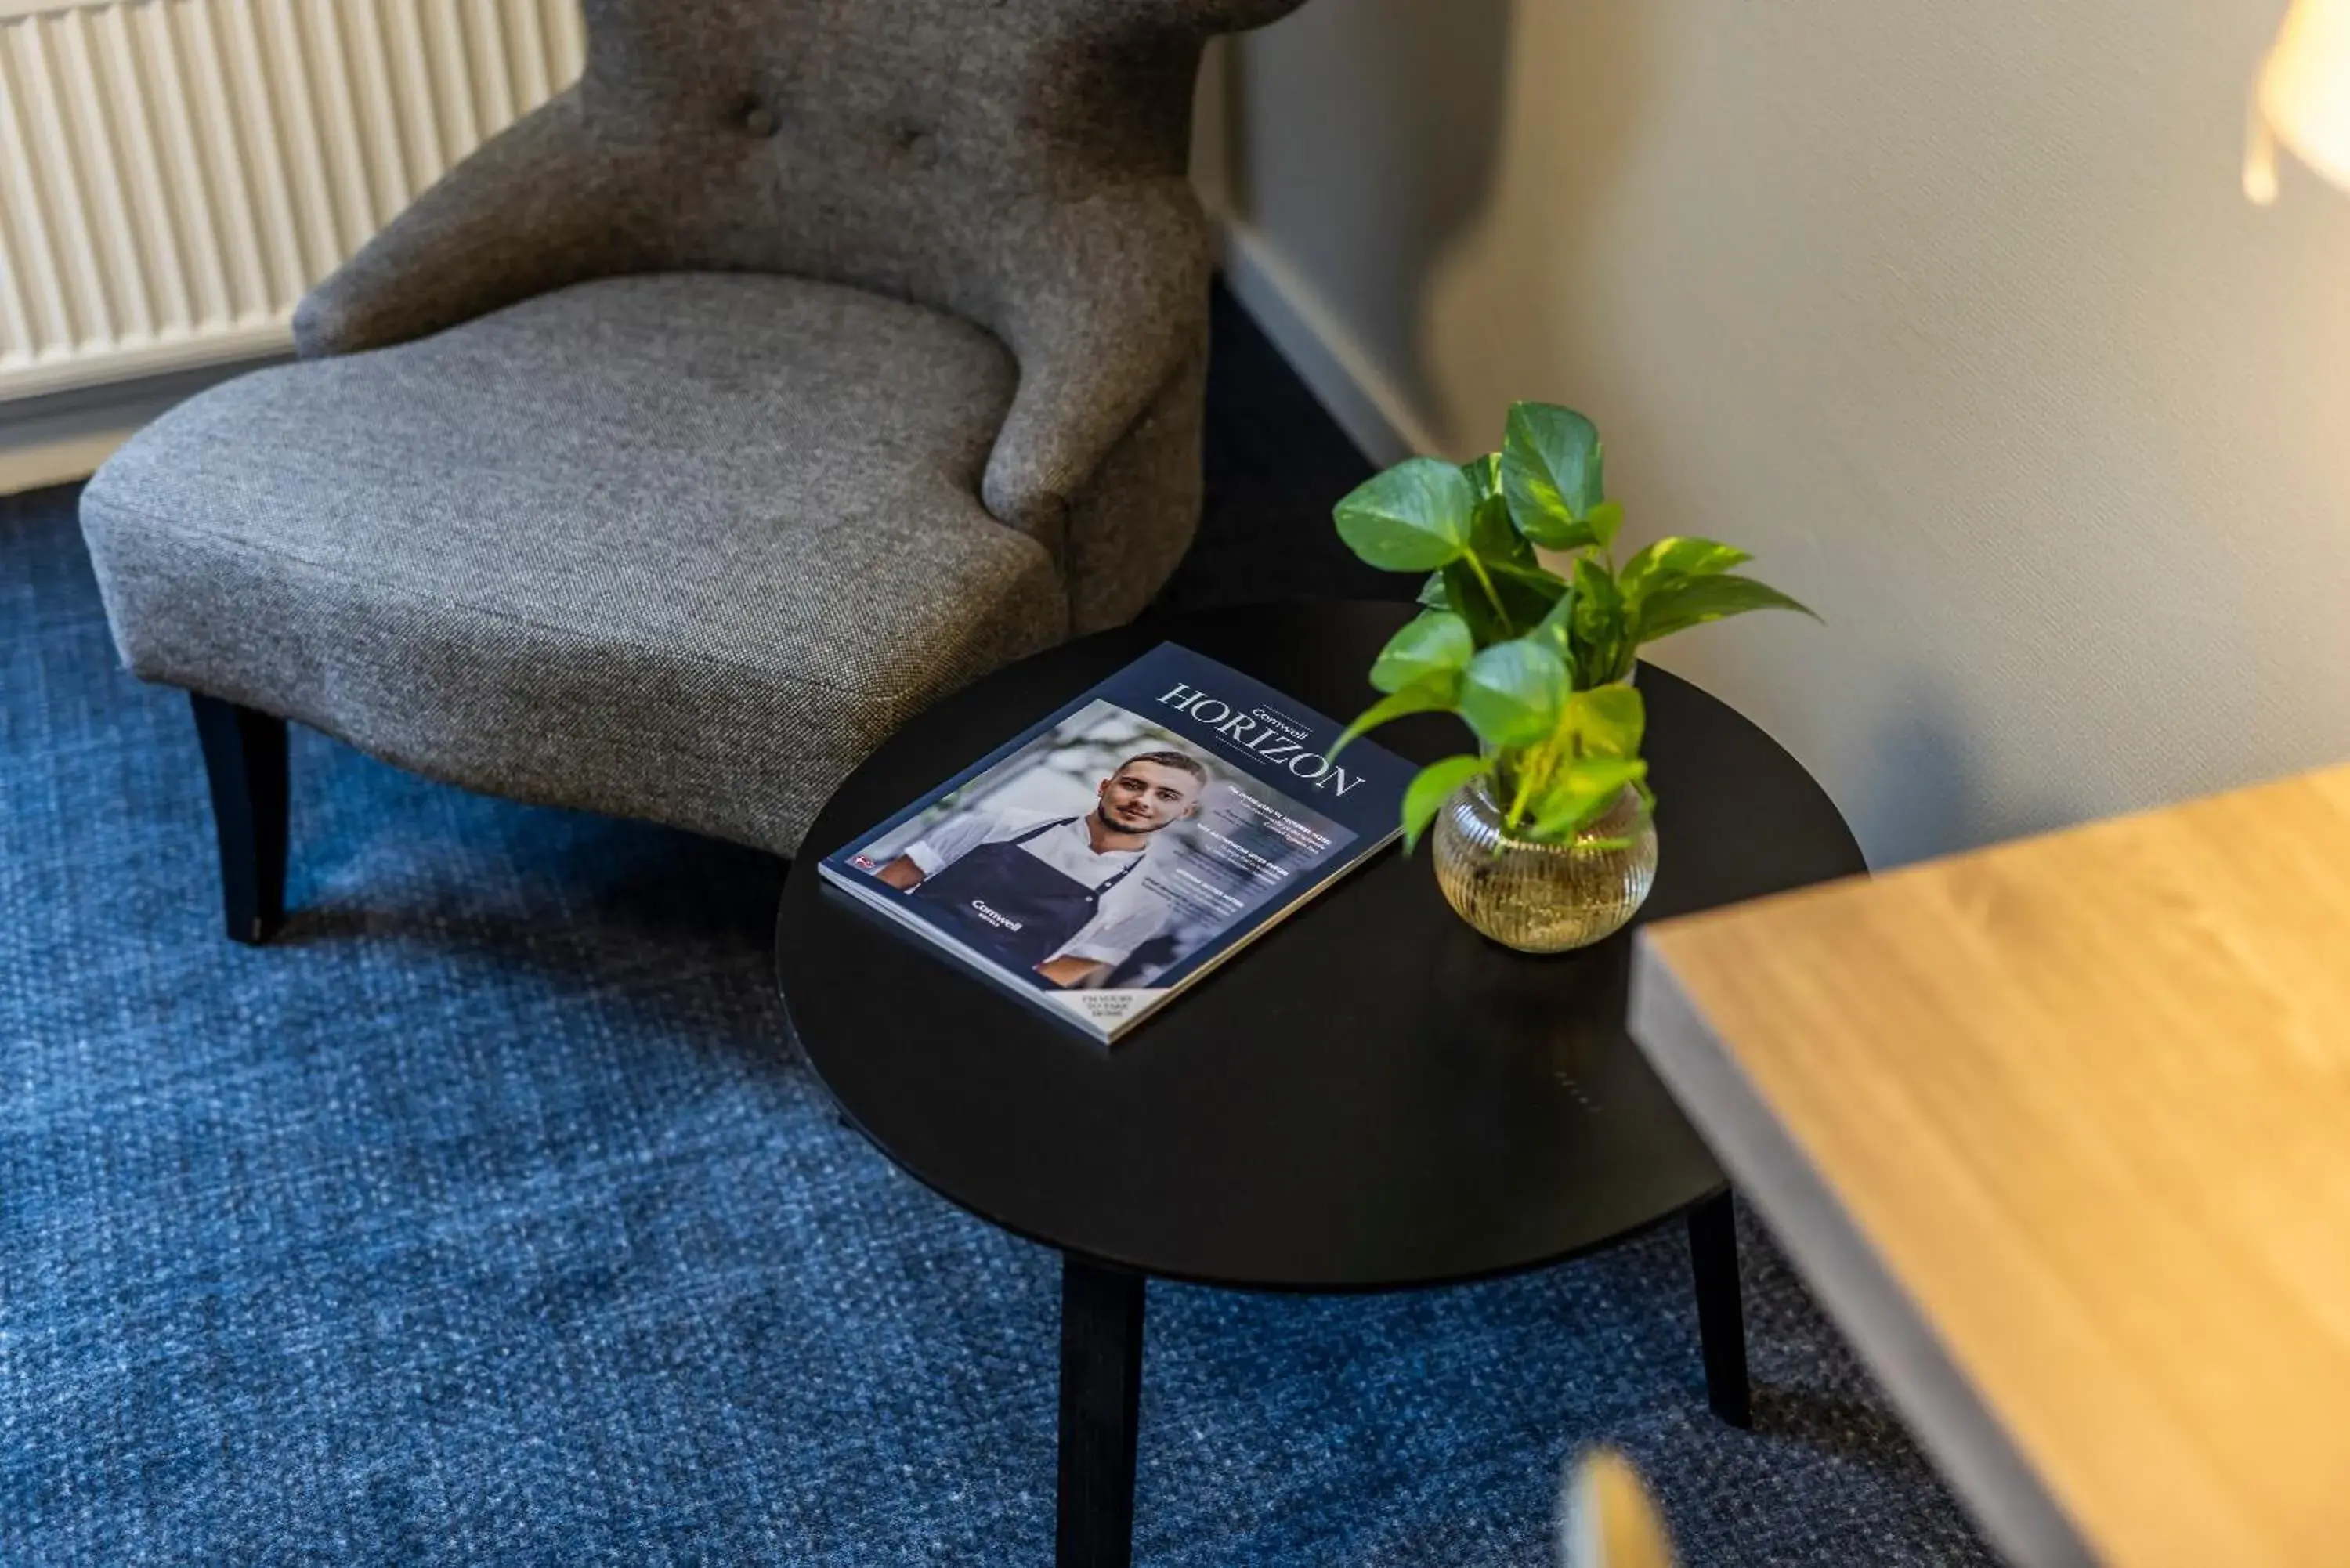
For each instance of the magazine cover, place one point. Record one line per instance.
(1121, 847)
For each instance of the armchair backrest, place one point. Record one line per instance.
(1019, 164)
(900, 145)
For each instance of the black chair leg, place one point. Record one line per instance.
(1720, 1316)
(245, 758)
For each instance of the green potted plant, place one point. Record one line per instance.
(1545, 837)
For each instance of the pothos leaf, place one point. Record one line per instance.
(1606, 720)
(1491, 539)
(1539, 581)
(1429, 789)
(1580, 794)
(1557, 626)
(1677, 606)
(1512, 692)
(1414, 517)
(1551, 474)
(1436, 694)
(1604, 519)
(1602, 643)
(1525, 591)
(1469, 597)
(1436, 641)
(1671, 559)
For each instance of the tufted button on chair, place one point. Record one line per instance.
(661, 461)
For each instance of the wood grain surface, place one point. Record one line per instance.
(2060, 1131)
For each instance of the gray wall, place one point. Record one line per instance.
(1955, 315)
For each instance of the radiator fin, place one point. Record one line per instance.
(174, 174)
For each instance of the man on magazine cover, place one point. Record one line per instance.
(1055, 897)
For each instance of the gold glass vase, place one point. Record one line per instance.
(1543, 898)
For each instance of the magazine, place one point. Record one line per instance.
(1113, 853)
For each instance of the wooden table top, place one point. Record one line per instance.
(2059, 1131)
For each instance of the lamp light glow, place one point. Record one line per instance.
(2302, 100)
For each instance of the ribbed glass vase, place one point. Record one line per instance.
(1543, 898)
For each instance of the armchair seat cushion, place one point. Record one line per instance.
(684, 546)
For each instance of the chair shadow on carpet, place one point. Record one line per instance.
(694, 893)
(487, 886)
(411, 855)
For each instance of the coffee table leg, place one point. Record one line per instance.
(1721, 1320)
(1101, 1390)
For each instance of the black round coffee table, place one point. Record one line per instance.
(1370, 1098)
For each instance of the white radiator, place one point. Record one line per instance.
(175, 173)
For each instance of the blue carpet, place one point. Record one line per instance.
(488, 1218)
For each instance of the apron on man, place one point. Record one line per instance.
(1009, 906)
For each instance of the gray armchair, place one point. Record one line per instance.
(806, 359)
